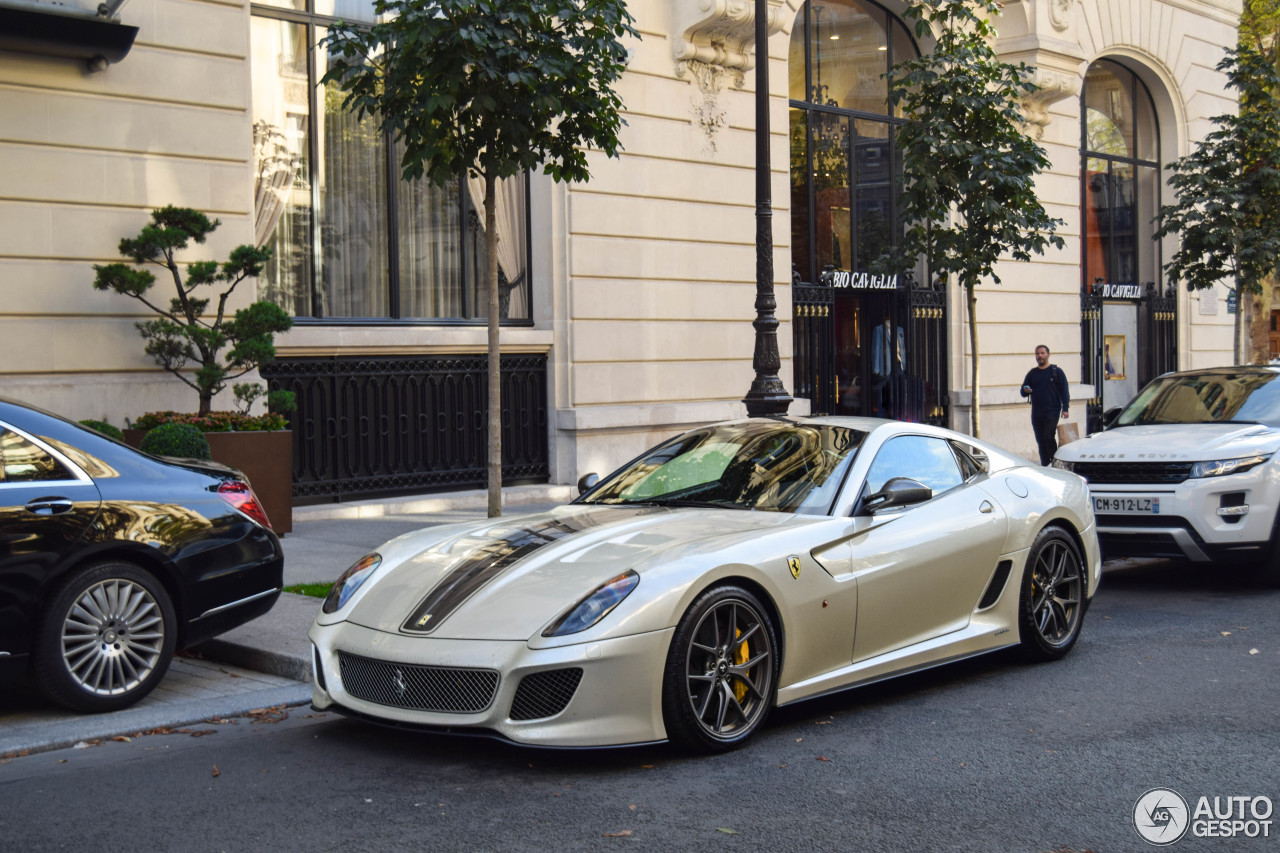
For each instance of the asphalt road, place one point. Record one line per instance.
(1173, 684)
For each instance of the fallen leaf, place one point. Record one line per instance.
(782, 765)
(823, 758)
(203, 732)
(216, 771)
(122, 739)
(632, 807)
(799, 739)
(647, 766)
(623, 834)
(1253, 651)
(726, 830)
(62, 761)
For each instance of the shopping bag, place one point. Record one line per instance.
(1068, 433)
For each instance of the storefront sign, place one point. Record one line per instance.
(1119, 291)
(863, 280)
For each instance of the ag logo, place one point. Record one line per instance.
(1161, 816)
(793, 563)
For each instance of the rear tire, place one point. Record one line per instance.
(107, 638)
(720, 680)
(1052, 601)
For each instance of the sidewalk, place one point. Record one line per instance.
(266, 663)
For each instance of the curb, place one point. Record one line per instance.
(256, 659)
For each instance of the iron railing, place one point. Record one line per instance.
(387, 425)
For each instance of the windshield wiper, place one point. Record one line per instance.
(689, 503)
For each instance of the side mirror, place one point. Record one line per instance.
(1110, 415)
(900, 491)
(587, 482)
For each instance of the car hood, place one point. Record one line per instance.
(1174, 442)
(507, 578)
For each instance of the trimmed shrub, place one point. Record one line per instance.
(182, 440)
(104, 428)
(215, 421)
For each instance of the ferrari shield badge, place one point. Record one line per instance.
(793, 563)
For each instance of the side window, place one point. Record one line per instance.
(919, 457)
(969, 467)
(23, 462)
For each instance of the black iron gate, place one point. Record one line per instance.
(1157, 345)
(918, 392)
(387, 425)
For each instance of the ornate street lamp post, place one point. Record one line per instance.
(767, 397)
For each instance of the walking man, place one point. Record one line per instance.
(1046, 385)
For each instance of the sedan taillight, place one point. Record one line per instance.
(239, 494)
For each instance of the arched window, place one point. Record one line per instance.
(843, 181)
(1121, 172)
(1128, 326)
(866, 341)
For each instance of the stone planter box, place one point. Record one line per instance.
(266, 458)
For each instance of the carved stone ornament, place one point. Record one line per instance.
(722, 32)
(1051, 87)
(1060, 13)
(713, 43)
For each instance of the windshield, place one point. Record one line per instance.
(1229, 396)
(765, 465)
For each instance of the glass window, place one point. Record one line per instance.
(928, 460)
(23, 462)
(1121, 174)
(844, 167)
(349, 238)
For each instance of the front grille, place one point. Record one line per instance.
(422, 688)
(1133, 472)
(545, 694)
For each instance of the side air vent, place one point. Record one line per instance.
(545, 694)
(998, 580)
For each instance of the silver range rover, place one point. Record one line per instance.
(1190, 469)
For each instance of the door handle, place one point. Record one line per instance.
(50, 506)
(985, 507)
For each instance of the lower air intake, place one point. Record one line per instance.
(545, 694)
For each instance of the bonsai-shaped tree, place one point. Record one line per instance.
(490, 89)
(969, 168)
(1227, 205)
(185, 334)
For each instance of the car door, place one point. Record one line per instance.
(921, 569)
(46, 504)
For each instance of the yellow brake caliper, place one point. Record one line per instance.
(740, 686)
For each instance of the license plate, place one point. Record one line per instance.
(1126, 505)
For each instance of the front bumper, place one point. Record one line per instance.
(618, 700)
(1201, 520)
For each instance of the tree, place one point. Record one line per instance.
(968, 166)
(1227, 192)
(493, 88)
(184, 334)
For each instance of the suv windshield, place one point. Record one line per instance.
(1228, 396)
(765, 465)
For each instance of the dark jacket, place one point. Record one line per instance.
(1050, 396)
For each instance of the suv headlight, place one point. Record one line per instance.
(1222, 467)
(1063, 465)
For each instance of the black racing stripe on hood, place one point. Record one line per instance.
(481, 565)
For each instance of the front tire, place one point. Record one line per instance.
(107, 638)
(1052, 600)
(720, 680)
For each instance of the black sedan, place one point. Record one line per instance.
(111, 559)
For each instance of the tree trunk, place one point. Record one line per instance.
(495, 363)
(972, 294)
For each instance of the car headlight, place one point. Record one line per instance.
(1222, 467)
(1063, 465)
(595, 606)
(350, 581)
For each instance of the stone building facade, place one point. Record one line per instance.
(628, 299)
